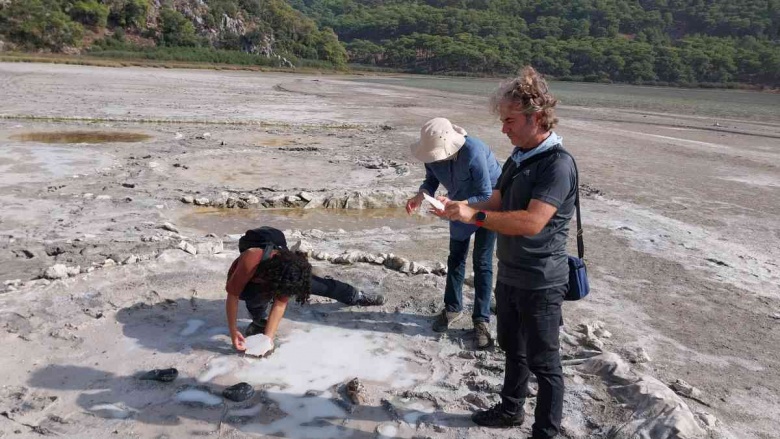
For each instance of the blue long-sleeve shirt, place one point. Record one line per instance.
(470, 176)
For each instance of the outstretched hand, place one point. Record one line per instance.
(457, 211)
(413, 203)
(440, 213)
(239, 342)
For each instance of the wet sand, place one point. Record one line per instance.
(681, 228)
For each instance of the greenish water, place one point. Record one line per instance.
(737, 104)
(226, 221)
(81, 137)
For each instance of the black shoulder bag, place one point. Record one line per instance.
(579, 286)
(578, 273)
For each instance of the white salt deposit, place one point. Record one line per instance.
(258, 345)
(434, 202)
(194, 395)
(115, 411)
(217, 367)
(693, 246)
(247, 412)
(301, 422)
(417, 409)
(387, 430)
(318, 358)
(192, 327)
(756, 180)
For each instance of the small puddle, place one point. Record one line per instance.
(81, 137)
(229, 221)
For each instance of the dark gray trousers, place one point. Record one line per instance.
(259, 303)
(528, 330)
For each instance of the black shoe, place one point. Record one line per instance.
(369, 299)
(496, 417)
(255, 328)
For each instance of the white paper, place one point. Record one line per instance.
(258, 345)
(434, 202)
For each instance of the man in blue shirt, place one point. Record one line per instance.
(467, 168)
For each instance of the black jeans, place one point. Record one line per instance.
(259, 303)
(528, 330)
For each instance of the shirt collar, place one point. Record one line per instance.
(518, 155)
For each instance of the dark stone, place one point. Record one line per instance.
(23, 253)
(162, 375)
(239, 392)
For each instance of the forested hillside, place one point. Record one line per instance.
(264, 32)
(641, 41)
(619, 40)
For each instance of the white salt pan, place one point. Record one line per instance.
(247, 412)
(116, 411)
(387, 430)
(194, 395)
(218, 366)
(258, 345)
(434, 202)
(316, 359)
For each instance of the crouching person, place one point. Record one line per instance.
(266, 275)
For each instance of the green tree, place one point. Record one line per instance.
(176, 29)
(37, 24)
(89, 13)
(127, 13)
(365, 52)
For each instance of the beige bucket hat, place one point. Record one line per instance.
(439, 140)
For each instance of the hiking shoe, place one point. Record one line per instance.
(482, 335)
(445, 319)
(496, 417)
(369, 299)
(255, 328)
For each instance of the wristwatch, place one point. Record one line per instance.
(480, 217)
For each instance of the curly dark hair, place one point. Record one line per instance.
(529, 94)
(287, 273)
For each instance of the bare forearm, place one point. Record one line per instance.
(492, 203)
(274, 318)
(231, 311)
(513, 223)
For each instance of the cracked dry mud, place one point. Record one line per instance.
(113, 258)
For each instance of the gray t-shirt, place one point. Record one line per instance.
(539, 261)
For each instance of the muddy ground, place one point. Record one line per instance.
(113, 258)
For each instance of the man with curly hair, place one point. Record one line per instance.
(530, 209)
(265, 275)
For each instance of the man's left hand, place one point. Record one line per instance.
(455, 211)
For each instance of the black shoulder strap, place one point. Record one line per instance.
(269, 248)
(536, 158)
(525, 164)
(580, 241)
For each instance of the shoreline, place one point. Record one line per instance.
(87, 60)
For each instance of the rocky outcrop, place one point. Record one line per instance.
(358, 199)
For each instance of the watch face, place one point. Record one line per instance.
(481, 216)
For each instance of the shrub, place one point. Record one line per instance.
(90, 13)
(176, 29)
(39, 24)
